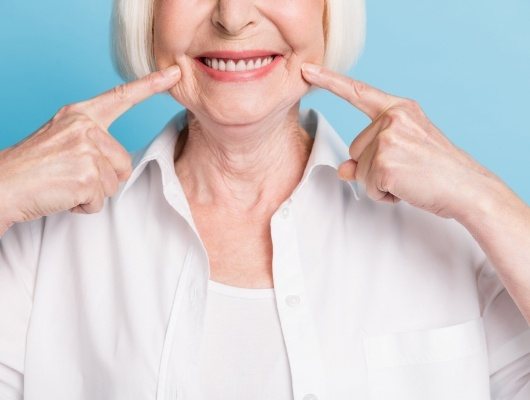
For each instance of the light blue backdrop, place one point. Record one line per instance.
(466, 62)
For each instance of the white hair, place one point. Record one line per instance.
(132, 36)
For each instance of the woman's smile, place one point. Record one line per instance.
(241, 60)
(230, 66)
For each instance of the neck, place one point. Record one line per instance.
(242, 168)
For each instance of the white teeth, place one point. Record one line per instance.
(230, 65)
(239, 65)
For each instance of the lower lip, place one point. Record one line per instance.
(239, 76)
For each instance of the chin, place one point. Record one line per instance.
(236, 114)
(245, 111)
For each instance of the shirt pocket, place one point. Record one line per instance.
(450, 362)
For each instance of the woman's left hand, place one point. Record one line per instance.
(401, 155)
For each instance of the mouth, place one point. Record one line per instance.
(238, 66)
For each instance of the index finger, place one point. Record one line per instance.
(371, 101)
(107, 107)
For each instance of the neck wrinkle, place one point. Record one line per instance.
(252, 172)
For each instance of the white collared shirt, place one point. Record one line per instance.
(375, 300)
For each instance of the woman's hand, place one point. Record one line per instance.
(72, 162)
(401, 155)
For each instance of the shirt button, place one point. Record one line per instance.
(310, 396)
(292, 300)
(285, 212)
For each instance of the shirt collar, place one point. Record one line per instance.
(328, 150)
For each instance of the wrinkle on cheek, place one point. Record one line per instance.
(186, 92)
(176, 25)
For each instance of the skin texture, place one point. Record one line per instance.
(72, 162)
(401, 155)
(244, 151)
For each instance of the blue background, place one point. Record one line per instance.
(466, 62)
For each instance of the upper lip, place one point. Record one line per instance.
(238, 55)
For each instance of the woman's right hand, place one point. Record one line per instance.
(72, 162)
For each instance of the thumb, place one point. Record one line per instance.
(347, 170)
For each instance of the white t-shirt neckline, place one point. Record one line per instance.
(240, 292)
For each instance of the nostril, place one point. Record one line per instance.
(231, 29)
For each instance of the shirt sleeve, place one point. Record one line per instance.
(507, 338)
(18, 259)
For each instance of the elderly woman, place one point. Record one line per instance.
(249, 254)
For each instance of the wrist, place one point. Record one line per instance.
(487, 203)
(6, 214)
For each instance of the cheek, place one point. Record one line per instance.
(175, 25)
(300, 22)
(295, 25)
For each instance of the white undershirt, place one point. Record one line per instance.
(243, 355)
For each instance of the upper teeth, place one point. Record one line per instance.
(237, 65)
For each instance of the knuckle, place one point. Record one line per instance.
(396, 116)
(67, 108)
(86, 150)
(125, 166)
(381, 163)
(81, 125)
(386, 139)
(127, 171)
(358, 87)
(412, 104)
(383, 183)
(127, 161)
(88, 178)
(95, 205)
(383, 177)
(73, 108)
(64, 110)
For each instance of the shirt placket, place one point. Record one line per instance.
(297, 323)
(178, 372)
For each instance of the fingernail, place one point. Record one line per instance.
(311, 68)
(172, 71)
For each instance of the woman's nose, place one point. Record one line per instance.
(234, 17)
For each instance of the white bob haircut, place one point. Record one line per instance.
(132, 35)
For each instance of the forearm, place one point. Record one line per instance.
(500, 223)
(5, 220)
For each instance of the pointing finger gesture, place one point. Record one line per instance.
(401, 155)
(72, 162)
